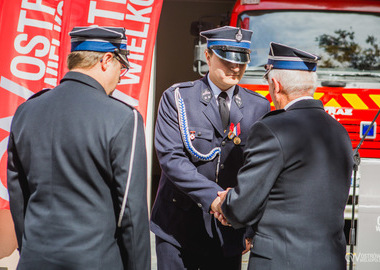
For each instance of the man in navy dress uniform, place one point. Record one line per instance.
(201, 130)
(76, 176)
(294, 185)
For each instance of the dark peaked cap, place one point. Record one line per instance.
(285, 57)
(98, 32)
(229, 43)
(101, 39)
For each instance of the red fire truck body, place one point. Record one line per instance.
(347, 36)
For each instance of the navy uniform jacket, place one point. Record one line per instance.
(293, 189)
(69, 153)
(188, 185)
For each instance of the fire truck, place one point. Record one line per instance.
(346, 35)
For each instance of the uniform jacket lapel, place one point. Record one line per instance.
(211, 110)
(236, 107)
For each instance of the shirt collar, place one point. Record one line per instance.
(296, 100)
(216, 90)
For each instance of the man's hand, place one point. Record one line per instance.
(248, 243)
(221, 218)
(216, 207)
(222, 195)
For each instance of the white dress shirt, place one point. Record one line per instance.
(216, 90)
(296, 100)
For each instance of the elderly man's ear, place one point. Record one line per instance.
(277, 86)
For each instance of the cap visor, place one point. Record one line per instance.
(233, 57)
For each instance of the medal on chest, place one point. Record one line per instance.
(234, 133)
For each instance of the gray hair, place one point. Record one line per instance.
(295, 82)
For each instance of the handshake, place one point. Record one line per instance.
(216, 210)
(216, 207)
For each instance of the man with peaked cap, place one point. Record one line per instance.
(294, 185)
(76, 176)
(199, 140)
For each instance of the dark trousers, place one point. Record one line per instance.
(209, 257)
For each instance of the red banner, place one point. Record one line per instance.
(35, 43)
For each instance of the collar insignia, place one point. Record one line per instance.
(206, 95)
(238, 100)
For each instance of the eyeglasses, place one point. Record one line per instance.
(124, 65)
(268, 68)
(123, 62)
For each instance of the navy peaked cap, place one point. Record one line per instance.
(286, 57)
(230, 43)
(100, 39)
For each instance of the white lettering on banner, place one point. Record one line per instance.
(94, 12)
(137, 39)
(53, 56)
(38, 6)
(139, 49)
(15, 88)
(33, 43)
(142, 34)
(142, 2)
(138, 15)
(23, 21)
(24, 60)
(136, 11)
(132, 78)
(117, 1)
(58, 17)
(136, 57)
(5, 123)
(127, 99)
(31, 65)
(3, 148)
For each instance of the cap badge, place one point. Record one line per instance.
(239, 36)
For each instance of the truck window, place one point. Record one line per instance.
(346, 41)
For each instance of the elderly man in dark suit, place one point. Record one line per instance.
(77, 166)
(201, 129)
(294, 185)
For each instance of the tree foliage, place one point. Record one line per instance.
(342, 50)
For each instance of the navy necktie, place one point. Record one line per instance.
(223, 109)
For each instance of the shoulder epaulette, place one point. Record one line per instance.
(275, 112)
(182, 85)
(39, 93)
